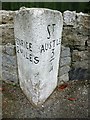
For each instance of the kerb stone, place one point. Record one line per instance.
(38, 41)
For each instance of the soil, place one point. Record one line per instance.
(69, 100)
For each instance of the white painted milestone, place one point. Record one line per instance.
(38, 34)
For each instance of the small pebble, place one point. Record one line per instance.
(42, 106)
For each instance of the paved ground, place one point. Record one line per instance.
(70, 101)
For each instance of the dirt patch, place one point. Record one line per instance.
(67, 101)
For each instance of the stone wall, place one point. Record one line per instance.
(7, 42)
(76, 36)
(74, 50)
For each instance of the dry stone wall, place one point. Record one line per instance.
(74, 50)
(7, 43)
(76, 34)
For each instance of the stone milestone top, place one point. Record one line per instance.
(38, 11)
(24, 8)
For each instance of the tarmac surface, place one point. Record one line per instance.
(69, 100)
